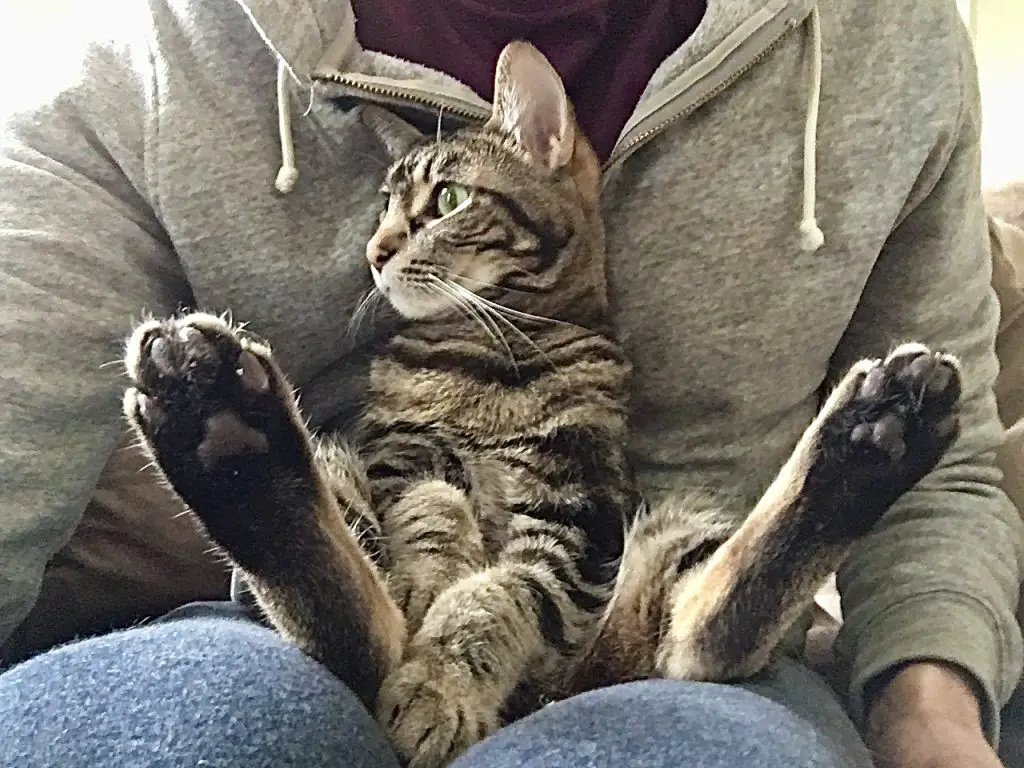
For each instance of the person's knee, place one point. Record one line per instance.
(655, 724)
(182, 692)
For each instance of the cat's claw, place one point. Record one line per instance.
(432, 710)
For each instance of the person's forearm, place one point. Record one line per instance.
(81, 252)
(924, 688)
(927, 714)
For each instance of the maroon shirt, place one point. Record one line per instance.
(605, 50)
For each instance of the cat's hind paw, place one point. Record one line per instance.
(219, 419)
(887, 425)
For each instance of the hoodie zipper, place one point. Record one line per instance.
(674, 111)
(385, 95)
(626, 148)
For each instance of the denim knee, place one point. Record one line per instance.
(659, 724)
(212, 691)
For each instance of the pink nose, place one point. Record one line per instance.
(380, 249)
(378, 257)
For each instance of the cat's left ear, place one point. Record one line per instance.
(395, 135)
(530, 103)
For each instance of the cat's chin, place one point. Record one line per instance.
(416, 307)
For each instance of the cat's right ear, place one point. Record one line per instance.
(530, 103)
(395, 135)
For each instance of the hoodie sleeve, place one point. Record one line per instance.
(82, 255)
(939, 577)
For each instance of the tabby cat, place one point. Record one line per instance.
(484, 547)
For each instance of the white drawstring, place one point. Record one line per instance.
(288, 174)
(811, 236)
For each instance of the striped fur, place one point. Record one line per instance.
(482, 547)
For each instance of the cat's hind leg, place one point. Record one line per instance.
(886, 426)
(221, 423)
(667, 541)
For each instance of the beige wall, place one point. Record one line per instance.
(999, 47)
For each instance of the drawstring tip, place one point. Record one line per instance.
(811, 236)
(286, 178)
(288, 173)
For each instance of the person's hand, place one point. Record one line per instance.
(928, 716)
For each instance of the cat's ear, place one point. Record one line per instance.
(530, 103)
(395, 135)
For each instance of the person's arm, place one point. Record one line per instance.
(82, 256)
(938, 580)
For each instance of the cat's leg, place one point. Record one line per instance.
(222, 425)
(420, 488)
(435, 541)
(884, 428)
(345, 475)
(665, 542)
(481, 637)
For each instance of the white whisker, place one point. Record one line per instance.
(524, 315)
(489, 309)
(485, 322)
(484, 284)
(473, 313)
(369, 302)
(503, 309)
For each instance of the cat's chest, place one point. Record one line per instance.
(463, 412)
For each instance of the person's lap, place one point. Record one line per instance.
(669, 724)
(208, 688)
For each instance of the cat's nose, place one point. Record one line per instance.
(378, 256)
(381, 248)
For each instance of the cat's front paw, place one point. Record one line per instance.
(219, 419)
(887, 426)
(434, 710)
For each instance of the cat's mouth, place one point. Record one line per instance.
(415, 299)
(378, 280)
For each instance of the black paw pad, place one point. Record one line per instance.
(900, 419)
(885, 435)
(221, 424)
(887, 425)
(204, 397)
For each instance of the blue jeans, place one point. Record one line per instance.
(208, 687)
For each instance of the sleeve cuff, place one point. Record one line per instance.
(939, 626)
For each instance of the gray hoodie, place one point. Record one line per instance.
(146, 181)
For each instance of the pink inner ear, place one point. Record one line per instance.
(544, 137)
(535, 108)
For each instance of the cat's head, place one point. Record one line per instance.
(508, 211)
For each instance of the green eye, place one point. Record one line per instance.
(450, 197)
